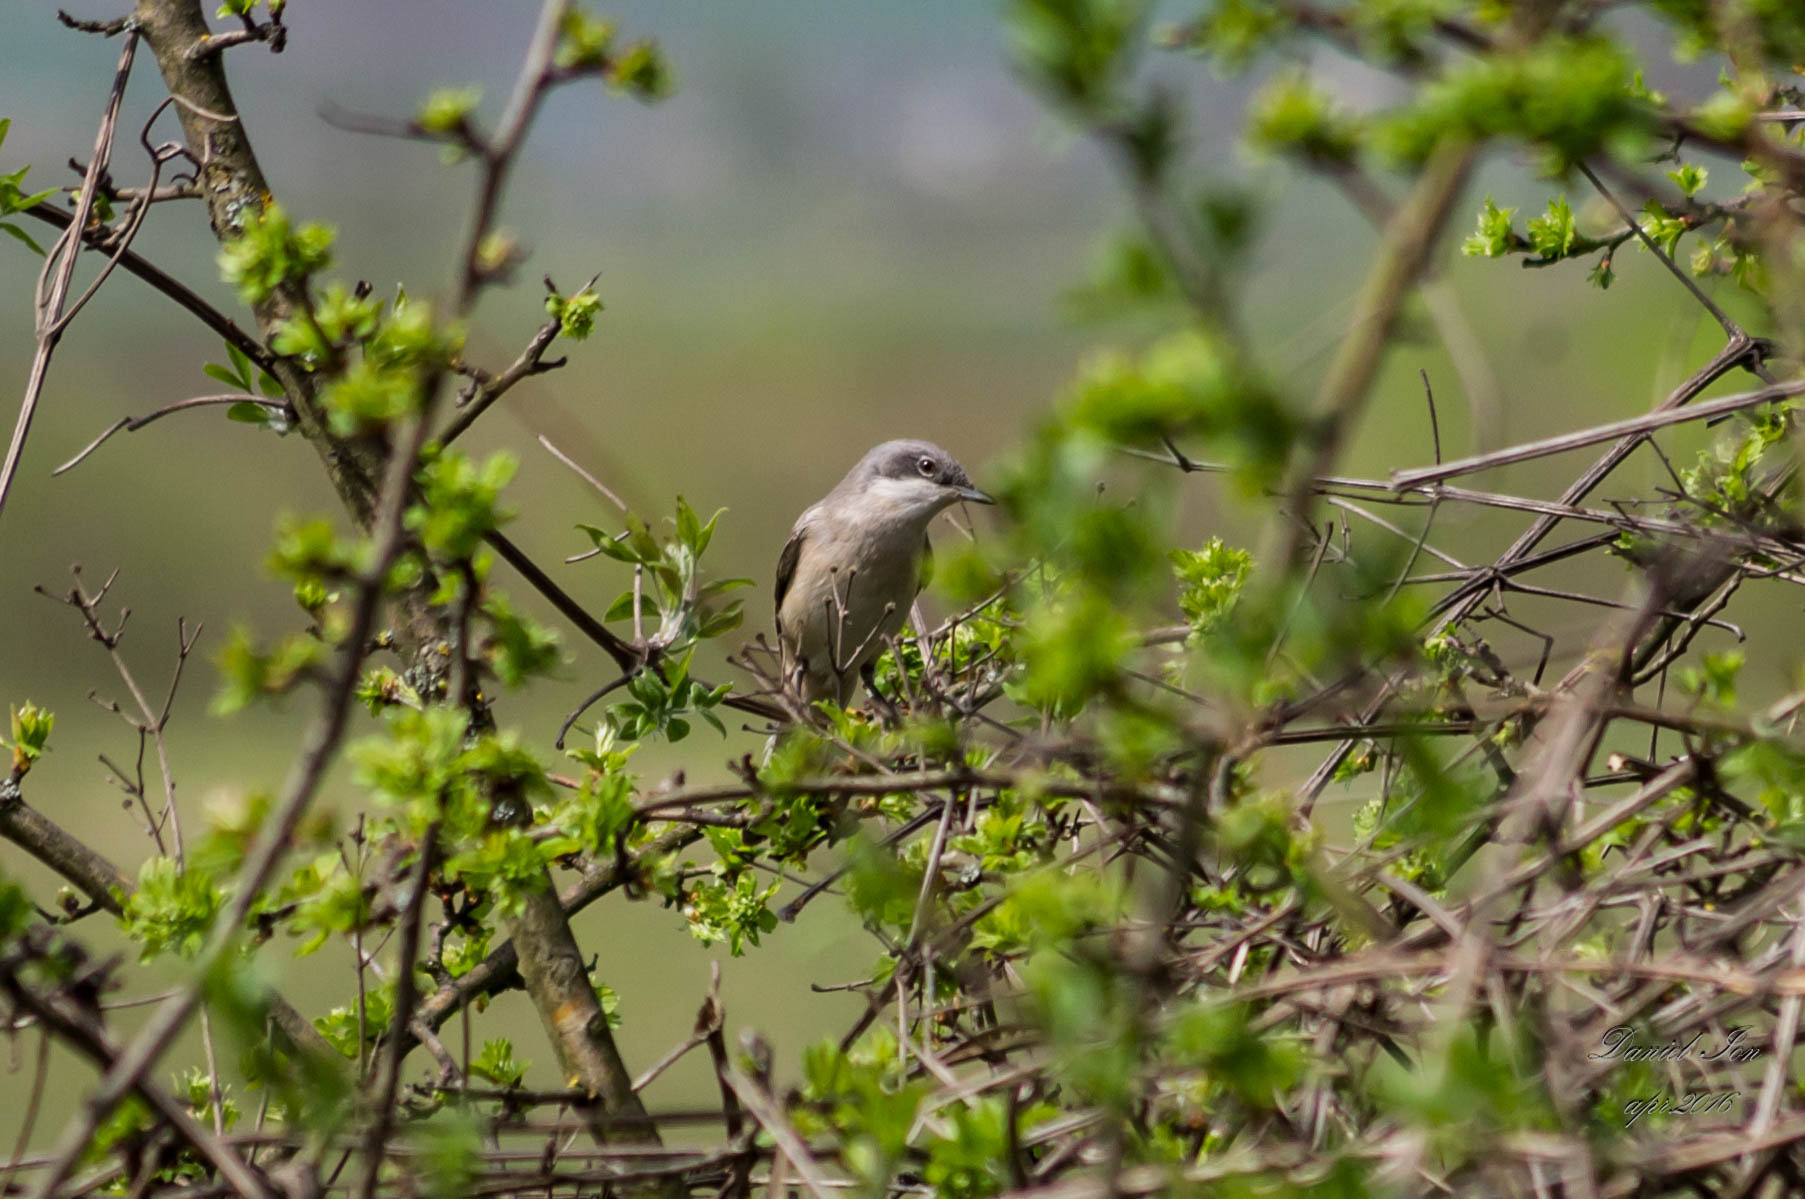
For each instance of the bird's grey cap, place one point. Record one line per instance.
(911, 458)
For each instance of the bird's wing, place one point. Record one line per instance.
(925, 574)
(786, 569)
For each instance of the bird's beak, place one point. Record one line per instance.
(973, 494)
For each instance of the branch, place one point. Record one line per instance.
(42, 838)
(409, 931)
(499, 153)
(59, 268)
(210, 316)
(271, 31)
(1461, 603)
(106, 28)
(624, 655)
(484, 389)
(131, 424)
(1635, 426)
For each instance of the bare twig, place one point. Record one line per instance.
(60, 268)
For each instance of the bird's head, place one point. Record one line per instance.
(914, 478)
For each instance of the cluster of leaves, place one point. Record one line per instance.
(31, 727)
(679, 608)
(14, 199)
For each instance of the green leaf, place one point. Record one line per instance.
(250, 412)
(447, 111)
(612, 544)
(1212, 579)
(689, 529)
(496, 1063)
(1552, 234)
(1495, 237)
(214, 370)
(622, 607)
(20, 235)
(1689, 177)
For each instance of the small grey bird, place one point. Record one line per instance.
(852, 566)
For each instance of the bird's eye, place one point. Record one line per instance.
(926, 466)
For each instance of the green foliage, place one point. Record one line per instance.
(1220, 1041)
(448, 110)
(641, 71)
(172, 910)
(239, 375)
(663, 699)
(383, 385)
(1689, 177)
(1188, 384)
(1713, 681)
(129, 1122)
(1232, 32)
(16, 910)
(1552, 235)
(1727, 477)
(517, 648)
(1398, 31)
(575, 313)
(1481, 1086)
(1210, 582)
(599, 813)
(1571, 97)
(1291, 115)
(328, 901)
(195, 1087)
(587, 43)
(1080, 840)
(583, 40)
(1072, 652)
(865, 1098)
(1495, 237)
(1776, 772)
(31, 727)
(271, 252)
(448, 1154)
(496, 1063)
(14, 199)
(1080, 51)
(247, 673)
(351, 1029)
(312, 555)
(459, 503)
(671, 605)
(1127, 274)
(734, 909)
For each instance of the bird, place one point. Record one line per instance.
(853, 565)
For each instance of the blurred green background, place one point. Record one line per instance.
(850, 223)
